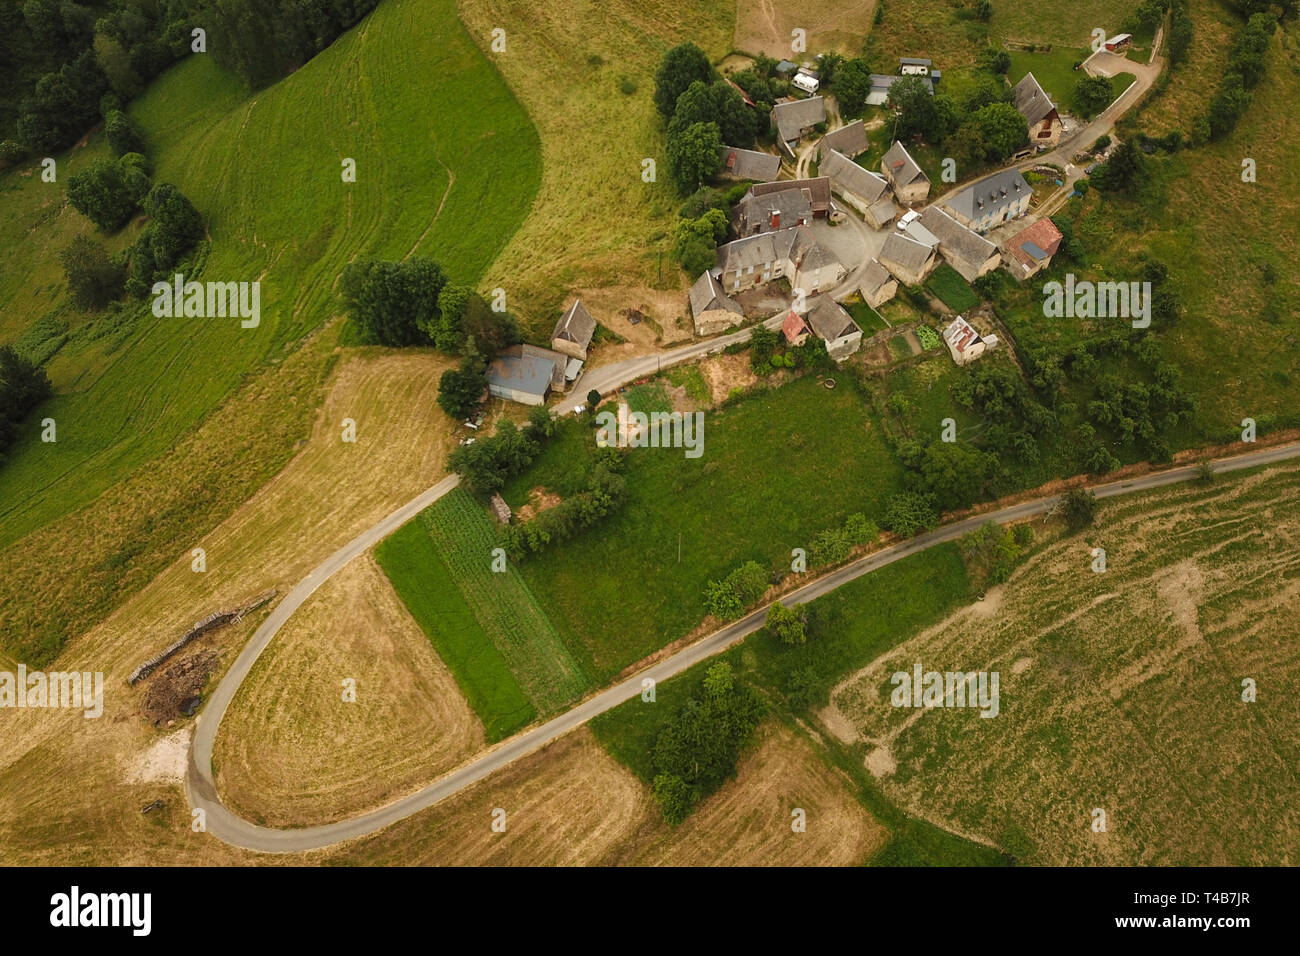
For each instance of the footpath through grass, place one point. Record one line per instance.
(487, 626)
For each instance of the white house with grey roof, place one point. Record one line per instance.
(794, 119)
(969, 253)
(748, 164)
(573, 332)
(1045, 126)
(711, 308)
(999, 198)
(904, 174)
(792, 254)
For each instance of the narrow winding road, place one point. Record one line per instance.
(232, 829)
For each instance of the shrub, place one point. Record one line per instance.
(1079, 507)
(910, 513)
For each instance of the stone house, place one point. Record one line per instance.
(1039, 111)
(793, 254)
(711, 309)
(573, 332)
(909, 183)
(909, 261)
(969, 253)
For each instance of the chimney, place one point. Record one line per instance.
(776, 219)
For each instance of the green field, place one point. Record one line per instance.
(506, 649)
(421, 579)
(778, 467)
(951, 289)
(447, 166)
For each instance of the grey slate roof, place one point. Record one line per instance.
(1031, 100)
(848, 176)
(908, 253)
(955, 239)
(874, 275)
(707, 295)
(882, 210)
(912, 61)
(828, 319)
(794, 116)
(902, 166)
(749, 163)
(576, 325)
(796, 244)
(991, 194)
(849, 140)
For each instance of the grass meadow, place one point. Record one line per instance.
(487, 626)
(452, 182)
(778, 466)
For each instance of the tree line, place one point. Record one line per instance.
(62, 58)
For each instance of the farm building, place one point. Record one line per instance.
(792, 253)
(849, 141)
(860, 188)
(881, 83)
(795, 329)
(1119, 42)
(1038, 110)
(711, 309)
(910, 184)
(834, 326)
(1030, 251)
(748, 164)
(995, 199)
(878, 286)
(912, 66)
(964, 343)
(910, 261)
(794, 119)
(970, 254)
(573, 332)
(527, 374)
(768, 207)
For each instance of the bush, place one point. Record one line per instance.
(122, 137)
(910, 513)
(1079, 507)
(94, 279)
(105, 193)
(787, 624)
(726, 599)
(23, 386)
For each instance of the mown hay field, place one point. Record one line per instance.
(1119, 690)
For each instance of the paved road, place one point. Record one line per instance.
(229, 828)
(609, 378)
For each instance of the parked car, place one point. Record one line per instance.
(1090, 167)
